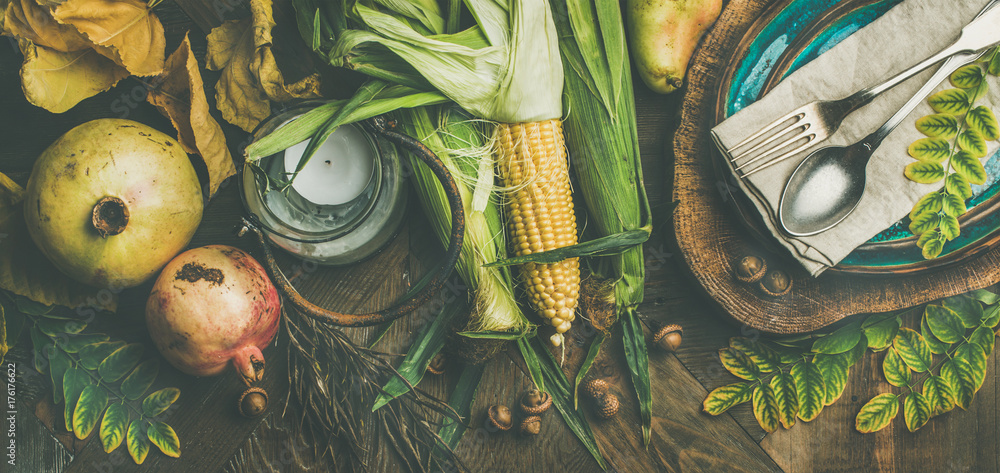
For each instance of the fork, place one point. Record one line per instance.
(817, 120)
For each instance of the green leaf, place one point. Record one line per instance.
(985, 338)
(896, 372)
(858, 352)
(76, 343)
(140, 379)
(136, 441)
(978, 91)
(785, 354)
(938, 394)
(923, 172)
(984, 296)
(30, 307)
(936, 346)
(953, 205)
(982, 120)
(588, 361)
(603, 246)
(834, 369)
(783, 386)
(991, 317)
(55, 327)
(912, 349)
(916, 411)
(765, 407)
(930, 203)
(930, 150)
(840, 341)
(924, 223)
(810, 388)
(939, 125)
(968, 309)
(461, 400)
(926, 237)
(969, 167)
(74, 381)
(58, 364)
(113, 426)
(877, 413)
(932, 248)
(119, 362)
(766, 359)
(739, 364)
(634, 341)
(953, 101)
(955, 184)
(973, 143)
(724, 397)
(88, 410)
(91, 356)
(960, 381)
(880, 334)
(949, 227)
(967, 77)
(164, 437)
(159, 401)
(994, 66)
(971, 358)
(944, 323)
(531, 361)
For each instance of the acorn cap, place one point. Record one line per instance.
(662, 337)
(608, 407)
(776, 283)
(531, 425)
(595, 388)
(437, 364)
(253, 402)
(535, 403)
(500, 417)
(750, 268)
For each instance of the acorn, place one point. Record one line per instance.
(500, 417)
(437, 364)
(595, 388)
(750, 268)
(535, 402)
(253, 402)
(776, 283)
(668, 337)
(608, 406)
(531, 425)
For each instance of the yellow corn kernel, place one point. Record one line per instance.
(531, 158)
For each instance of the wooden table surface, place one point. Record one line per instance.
(215, 438)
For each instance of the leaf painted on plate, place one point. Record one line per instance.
(876, 414)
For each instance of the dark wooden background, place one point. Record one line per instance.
(215, 438)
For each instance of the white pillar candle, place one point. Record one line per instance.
(339, 170)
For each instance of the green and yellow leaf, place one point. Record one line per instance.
(957, 185)
(880, 334)
(76, 343)
(940, 125)
(140, 379)
(57, 327)
(856, 353)
(896, 372)
(92, 356)
(944, 323)
(74, 381)
(164, 437)
(766, 359)
(765, 407)
(991, 317)
(953, 205)
(972, 142)
(928, 236)
(937, 346)
(810, 389)
(953, 101)
(58, 364)
(913, 349)
(969, 167)
(876, 414)
(119, 362)
(113, 426)
(159, 401)
(949, 227)
(930, 203)
(967, 77)
(916, 411)
(924, 223)
(960, 381)
(89, 409)
(930, 150)
(982, 120)
(932, 249)
(938, 394)
(840, 341)
(993, 68)
(783, 386)
(968, 309)
(923, 172)
(834, 369)
(136, 441)
(724, 397)
(739, 364)
(971, 358)
(985, 338)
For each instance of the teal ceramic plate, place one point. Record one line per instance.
(790, 34)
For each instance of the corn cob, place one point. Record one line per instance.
(532, 163)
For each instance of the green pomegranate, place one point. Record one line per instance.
(112, 201)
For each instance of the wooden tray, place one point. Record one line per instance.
(711, 237)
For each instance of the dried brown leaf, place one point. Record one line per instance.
(266, 66)
(180, 94)
(57, 81)
(28, 20)
(125, 31)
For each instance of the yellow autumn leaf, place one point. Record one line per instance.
(125, 31)
(25, 271)
(180, 94)
(57, 81)
(28, 20)
(265, 66)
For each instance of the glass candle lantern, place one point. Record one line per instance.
(344, 205)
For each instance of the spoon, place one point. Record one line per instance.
(829, 183)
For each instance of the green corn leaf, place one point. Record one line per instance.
(973, 143)
(588, 361)
(840, 341)
(895, 370)
(461, 400)
(766, 359)
(880, 334)
(969, 167)
(54, 327)
(91, 356)
(938, 395)
(916, 411)
(603, 246)
(113, 426)
(940, 125)
(930, 203)
(982, 120)
(119, 362)
(74, 381)
(809, 388)
(724, 397)
(834, 369)
(968, 309)
(164, 437)
(739, 364)
(930, 150)
(140, 379)
(970, 358)
(58, 365)
(961, 383)
(967, 77)
(877, 413)
(77, 342)
(89, 409)
(783, 386)
(944, 323)
(765, 407)
(953, 205)
(991, 317)
(985, 338)
(913, 349)
(136, 441)
(949, 227)
(932, 249)
(953, 101)
(936, 346)
(984, 296)
(159, 401)
(929, 236)
(634, 341)
(924, 223)
(955, 184)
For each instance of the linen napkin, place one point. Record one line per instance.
(902, 37)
